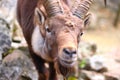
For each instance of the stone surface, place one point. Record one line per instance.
(103, 66)
(86, 50)
(17, 66)
(5, 39)
(113, 63)
(97, 62)
(7, 10)
(91, 75)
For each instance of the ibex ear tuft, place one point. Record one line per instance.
(87, 20)
(39, 16)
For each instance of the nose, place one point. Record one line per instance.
(70, 51)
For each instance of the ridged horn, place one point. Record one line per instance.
(53, 7)
(82, 8)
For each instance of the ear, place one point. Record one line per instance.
(39, 16)
(39, 20)
(87, 20)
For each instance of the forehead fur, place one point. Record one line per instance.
(62, 19)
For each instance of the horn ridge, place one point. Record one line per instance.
(53, 7)
(82, 8)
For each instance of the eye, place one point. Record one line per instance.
(48, 30)
(81, 33)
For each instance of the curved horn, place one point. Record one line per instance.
(53, 7)
(82, 8)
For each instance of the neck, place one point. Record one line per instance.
(25, 15)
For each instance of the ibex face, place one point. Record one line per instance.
(62, 36)
(56, 35)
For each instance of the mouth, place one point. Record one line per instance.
(67, 62)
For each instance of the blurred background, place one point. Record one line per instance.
(98, 53)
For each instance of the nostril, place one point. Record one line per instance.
(66, 51)
(69, 51)
(74, 52)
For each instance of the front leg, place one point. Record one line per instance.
(39, 64)
(52, 72)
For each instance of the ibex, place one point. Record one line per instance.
(52, 30)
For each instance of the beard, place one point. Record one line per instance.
(64, 70)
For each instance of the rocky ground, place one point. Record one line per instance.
(99, 50)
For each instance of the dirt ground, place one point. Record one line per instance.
(105, 39)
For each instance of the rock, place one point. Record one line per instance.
(7, 10)
(86, 50)
(8, 14)
(103, 66)
(90, 75)
(113, 63)
(111, 78)
(17, 66)
(5, 39)
(97, 63)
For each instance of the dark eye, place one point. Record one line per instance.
(81, 33)
(48, 30)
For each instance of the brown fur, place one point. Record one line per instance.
(25, 15)
(65, 33)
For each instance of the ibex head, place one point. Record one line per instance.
(60, 31)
